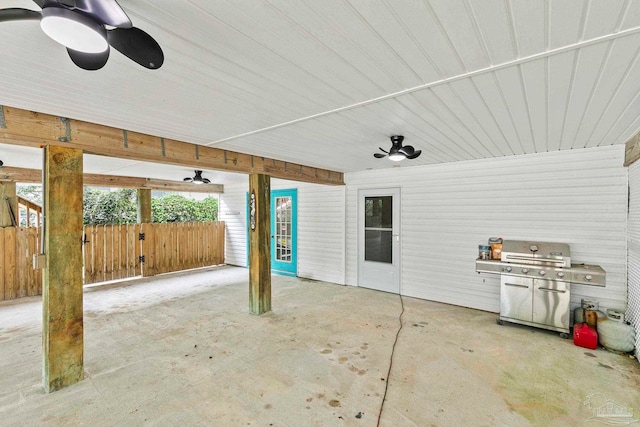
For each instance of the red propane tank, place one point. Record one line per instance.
(585, 336)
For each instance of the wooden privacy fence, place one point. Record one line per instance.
(110, 252)
(113, 252)
(181, 246)
(17, 277)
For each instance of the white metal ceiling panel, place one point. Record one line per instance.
(326, 83)
(494, 22)
(561, 75)
(425, 27)
(494, 98)
(605, 17)
(462, 32)
(530, 26)
(470, 97)
(393, 25)
(465, 118)
(534, 78)
(566, 22)
(613, 74)
(586, 71)
(510, 81)
(623, 99)
(433, 130)
(631, 16)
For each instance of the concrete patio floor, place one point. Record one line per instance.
(183, 350)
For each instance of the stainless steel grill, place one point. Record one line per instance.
(535, 283)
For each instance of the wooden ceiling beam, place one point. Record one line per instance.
(25, 175)
(29, 128)
(632, 150)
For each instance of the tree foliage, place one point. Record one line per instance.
(120, 206)
(176, 208)
(109, 207)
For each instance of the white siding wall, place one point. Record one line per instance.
(232, 211)
(578, 197)
(321, 228)
(633, 243)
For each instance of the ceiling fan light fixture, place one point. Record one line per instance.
(73, 30)
(198, 179)
(397, 152)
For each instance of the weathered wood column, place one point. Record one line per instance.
(8, 189)
(144, 205)
(62, 325)
(259, 243)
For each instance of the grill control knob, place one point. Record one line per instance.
(560, 274)
(588, 277)
(507, 269)
(525, 270)
(542, 272)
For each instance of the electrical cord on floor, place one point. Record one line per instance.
(393, 351)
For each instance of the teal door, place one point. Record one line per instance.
(284, 219)
(284, 232)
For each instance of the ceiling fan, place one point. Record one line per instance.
(397, 152)
(88, 27)
(198, 179)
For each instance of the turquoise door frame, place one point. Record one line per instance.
(284, 232)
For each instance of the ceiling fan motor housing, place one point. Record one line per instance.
(397, 139)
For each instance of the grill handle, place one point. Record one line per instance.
(559, 291)
(517, 285)
(527, 258)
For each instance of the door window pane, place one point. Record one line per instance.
(378, 246)
(378, 212)
(378, 229)
(283, 229)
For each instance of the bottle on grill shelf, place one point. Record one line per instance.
(496, 247)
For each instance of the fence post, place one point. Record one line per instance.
(8, 205)
(144, 205)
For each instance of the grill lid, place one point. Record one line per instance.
(539, 253)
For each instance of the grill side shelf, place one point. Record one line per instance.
(588, 274)
(492, 266)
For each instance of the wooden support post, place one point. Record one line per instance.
(259, 244)
(62, 326)
(144, 205)
(8, 189)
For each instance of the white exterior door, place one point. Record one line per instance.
(379, 239)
